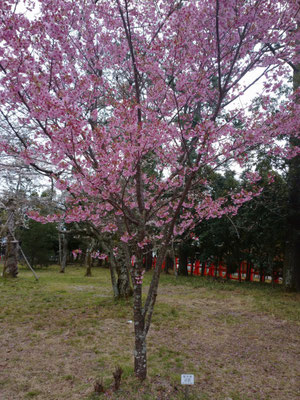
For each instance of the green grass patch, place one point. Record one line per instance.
(264, 297)
(63, 333)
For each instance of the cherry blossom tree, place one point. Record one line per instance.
(132, 102)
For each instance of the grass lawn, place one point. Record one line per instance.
(60, 335)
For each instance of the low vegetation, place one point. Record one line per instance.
(64, 337)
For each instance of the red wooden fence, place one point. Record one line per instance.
(209, 269)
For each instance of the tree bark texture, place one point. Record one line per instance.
(169, 262)
(11, 258)
(143, 314)
(64, 255)
(88, 263)
(140, 351)
(149, 257)
(248, 272)
(124, 286)
(291, 270)
(113, 277)
(11, 254)
(119, 274)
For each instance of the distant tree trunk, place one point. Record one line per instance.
(11, 254)
(124, 285)
(183, 260)
(88, 263)
(228, 271)
(11, 258)
(271, 263)
(59, 249)
(64, 253)
(119, 274)
(203, 266)
(261, 274)
(216, 268)
(88, 258)
(169, 262)
(148, 257)
(113, 277)
(291, 270)
(248, 272)
(192, 262)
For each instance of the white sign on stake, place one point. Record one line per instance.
(187, 379)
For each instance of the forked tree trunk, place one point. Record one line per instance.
(142, 314)
(119, 274)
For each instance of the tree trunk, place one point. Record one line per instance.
(291, 270)
(248, 272)
(64, 254)
(140, 355)
(148, 257)
(88, 263)
(228, 271)
(113, 277)
(11, 258)
(182, 269)
(119, 274)
(140, 351)
(203, 266)
(11, 254)
(88, 258)
(261, 274)
(124, 285)
(169, 262)
(143, 315)
(217, 263)
(59, 249)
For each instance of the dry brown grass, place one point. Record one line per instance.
(61, 335)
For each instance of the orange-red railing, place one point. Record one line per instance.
(210, 269)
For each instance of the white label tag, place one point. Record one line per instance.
(187, 379)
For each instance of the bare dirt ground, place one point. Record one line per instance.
(253, 354)
(56, 346)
